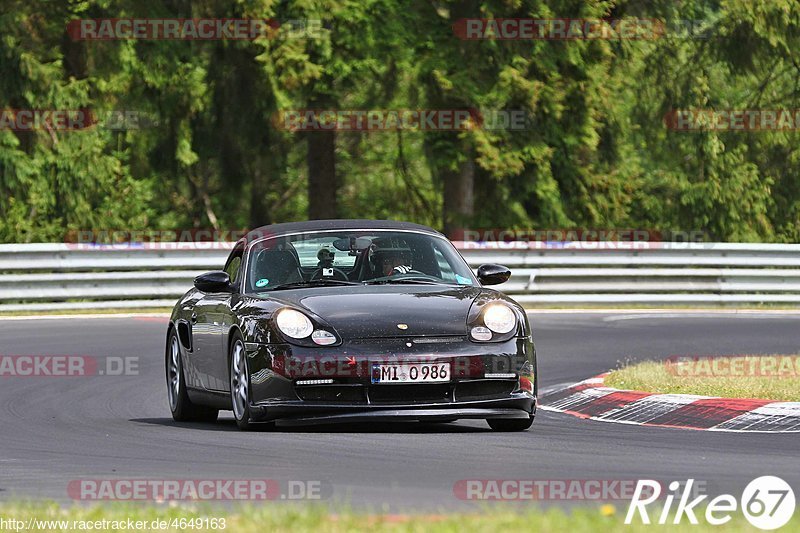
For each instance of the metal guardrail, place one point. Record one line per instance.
(62, 276)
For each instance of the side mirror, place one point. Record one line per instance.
(491, 274)
(216, 281)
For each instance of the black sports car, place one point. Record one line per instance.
(350, 320)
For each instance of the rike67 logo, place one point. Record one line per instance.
(767, 502)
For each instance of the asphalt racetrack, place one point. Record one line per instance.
(58, 429)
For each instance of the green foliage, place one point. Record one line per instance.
(595, 153)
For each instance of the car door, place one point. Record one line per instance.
(212, 314)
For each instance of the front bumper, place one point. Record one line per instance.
(347, 393)
(394, 415)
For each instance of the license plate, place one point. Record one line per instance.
(410, 372)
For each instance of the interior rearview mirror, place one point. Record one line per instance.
(353, 244)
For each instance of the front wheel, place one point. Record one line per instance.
(510, 424)
(240, 384)
(183, 410)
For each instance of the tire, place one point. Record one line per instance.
(183, 410)
(510, 424)
(240, 383)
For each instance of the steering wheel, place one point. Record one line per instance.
(337, 274)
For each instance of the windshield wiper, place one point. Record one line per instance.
(421, 281)
(322, 282)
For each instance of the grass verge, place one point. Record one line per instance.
(283, 517)
(774, 377)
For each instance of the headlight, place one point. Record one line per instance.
(294, 323)
(499, 318)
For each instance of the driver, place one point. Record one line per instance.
(395, 262)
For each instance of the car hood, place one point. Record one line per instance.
(376, 310)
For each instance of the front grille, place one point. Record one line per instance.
(438, 340)
(331, 393)
(484, 389)
(462, 391)
(410, 394)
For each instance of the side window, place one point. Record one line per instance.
(233, 264)
(446, 270)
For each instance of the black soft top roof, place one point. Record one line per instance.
(275, 230)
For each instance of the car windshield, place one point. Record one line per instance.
(341, 258)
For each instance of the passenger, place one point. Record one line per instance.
(325, 257)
